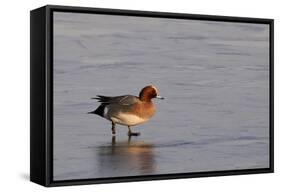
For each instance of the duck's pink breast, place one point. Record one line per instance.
(144, 110)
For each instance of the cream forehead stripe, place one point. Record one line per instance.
(157, 92)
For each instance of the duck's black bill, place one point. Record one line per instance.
(159, 97)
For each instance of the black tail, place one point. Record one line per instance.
(99, 111)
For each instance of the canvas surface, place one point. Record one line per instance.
(214, 76)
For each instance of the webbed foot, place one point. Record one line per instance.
(133, 133)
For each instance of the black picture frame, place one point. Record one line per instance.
(41, 100)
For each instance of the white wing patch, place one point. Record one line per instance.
(121, 100)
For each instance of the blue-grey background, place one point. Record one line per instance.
(214, 75)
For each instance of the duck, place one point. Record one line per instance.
(128, 110)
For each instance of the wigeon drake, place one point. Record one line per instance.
(128, 110)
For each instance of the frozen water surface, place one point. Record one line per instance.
(214, 76)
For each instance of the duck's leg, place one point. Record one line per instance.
(130, 133)
(113, 128)
(113, 140)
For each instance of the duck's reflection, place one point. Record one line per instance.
(126, 157)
